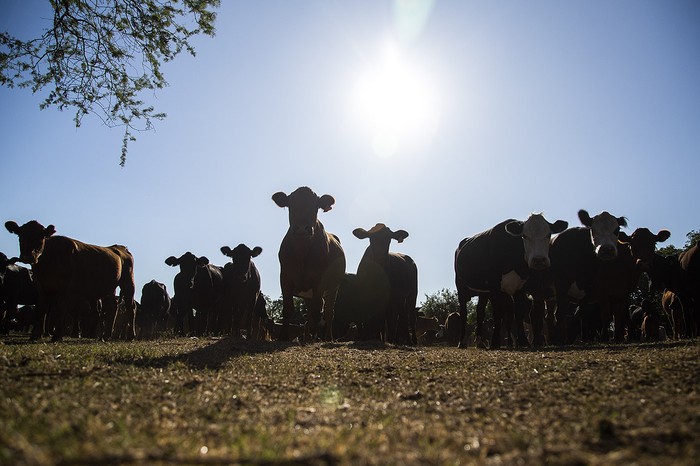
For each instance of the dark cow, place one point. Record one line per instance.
(427, 329)
(673, 308)
(388, 284)
(680, 274)
(153, 312)
(585, 270)
(312, 262)
(199, 289)
(124, 322)
(70, 274)
(453, 330)
(496, 263)
(242, 290)
(16, 287)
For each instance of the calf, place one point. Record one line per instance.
(388, 284)
(199, 291)
(154, 309)
(242, 289)
(496, 263)
(70, 274)
(312, 262)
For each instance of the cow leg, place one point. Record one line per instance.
(621, 316)
(480, 313)
(328, 309)
(537, 321)
(521, 308)
(463, 297)
(498, 303)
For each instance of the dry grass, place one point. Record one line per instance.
(205, 401)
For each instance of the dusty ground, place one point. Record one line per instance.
(208, 401)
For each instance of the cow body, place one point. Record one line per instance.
(152, 315)
(241, 291)
(312, 262)
(388, 283)
(496, 263)
(199, 289)
(70, 274)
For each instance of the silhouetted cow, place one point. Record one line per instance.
(241, 290)
(388, 283)
(152, 315)
(16, 287)
(496, 263)
(312, 262)
(673, 307)
(71, 274)
(199, 289)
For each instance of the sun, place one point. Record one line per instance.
(395, 103)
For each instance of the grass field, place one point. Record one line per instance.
(219, 401)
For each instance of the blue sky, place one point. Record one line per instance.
(515, 107)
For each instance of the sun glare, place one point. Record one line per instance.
(395, 102)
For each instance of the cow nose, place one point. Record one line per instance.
(539, 263)
(607, 252)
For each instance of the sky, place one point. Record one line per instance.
(440, 118)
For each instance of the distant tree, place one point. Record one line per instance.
(100, 56)
(669, 250)
(693, 237)
(274, 309)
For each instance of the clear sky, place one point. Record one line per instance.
(440, 118)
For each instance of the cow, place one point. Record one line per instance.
(153, 311)
(496, 263)
(199, 289)
(70, 274)
(452, 328)
(124, 322)
(16, 287)
(680, 274)
(586, 269)
(427, 329)
(650, 324)
(388, 283)
(673, 307)
(242, 290)
(312, 261)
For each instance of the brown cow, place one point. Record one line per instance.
(389, 284)
(427, 329)
(312, 262)
(673, 307)
(70, 273)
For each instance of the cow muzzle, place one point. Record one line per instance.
(606, 252)
(539, 263)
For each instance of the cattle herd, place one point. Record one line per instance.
(563, 283)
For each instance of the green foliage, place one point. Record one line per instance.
(693, 237)
(274, 309)
(100, 56)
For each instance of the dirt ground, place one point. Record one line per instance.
(220, 401)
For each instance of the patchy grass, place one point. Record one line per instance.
(207, 401)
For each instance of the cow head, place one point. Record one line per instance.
(32, 236)
(642, 242)
(240, 260)
(536, 232)
(303, 205)
(379, 238)
(188, 263)
(605, 229)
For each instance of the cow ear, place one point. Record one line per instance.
(515, 228)
(622, 221)
(326, 202)
(360, 233)
(12, 227)
(662, 236)
(49, 230)
(585, 218)
(201, 261)
(400, 235)
(226, 251)
(623, 237)
(281, 199)
(256, 251)
(558, 226)
(172, 261)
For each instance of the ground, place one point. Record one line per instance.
(220, 401)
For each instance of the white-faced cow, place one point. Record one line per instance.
(242, 290)
(71, 274)
(312, 262)
(199, 291)
(590, 266)
(496, 264)
(16, 287)
(388, 283)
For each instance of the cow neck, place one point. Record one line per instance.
(302, 245)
